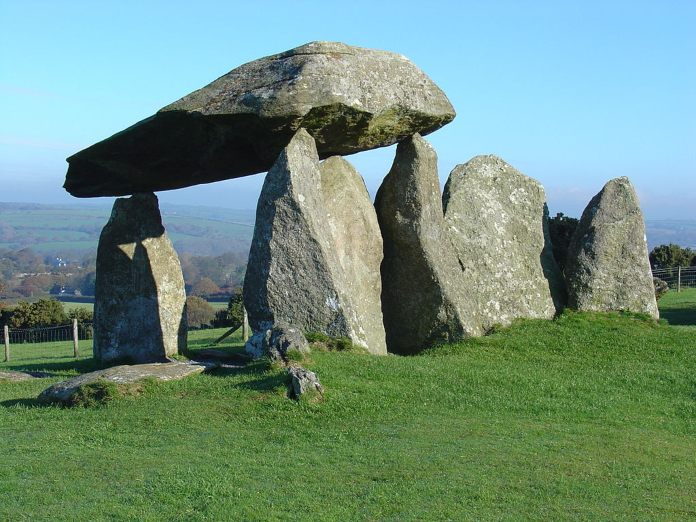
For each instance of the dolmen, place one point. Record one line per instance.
(415, 269)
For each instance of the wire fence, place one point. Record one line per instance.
(677, 278)
(50, 334)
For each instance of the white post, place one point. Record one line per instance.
(75, 335)
(679, 279)
(7, 343)
(245, 327)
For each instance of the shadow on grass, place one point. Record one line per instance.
(260, 376)
(26, 403)
(679, 316)
(54, 368)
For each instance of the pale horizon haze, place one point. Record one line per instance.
(570, 93)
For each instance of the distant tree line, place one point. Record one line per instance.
(41, 313)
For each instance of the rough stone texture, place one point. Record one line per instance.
(302, 381)
(276, 342)
(349, 99)
(608, 266)
(498, 221)
(357, 243)
(8, 375)
(310, 266)
(140, 302)
(423, 299)
(126, 374)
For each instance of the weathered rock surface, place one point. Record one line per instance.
(608, 266)
(276, 342)
(423, 299)
(9, 375)
(125, 374)
(498, 221)
(139, 308)
(357, 243)
(303, 381)
(310, 266)
(349, 99)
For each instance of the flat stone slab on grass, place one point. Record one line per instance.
(9, 375)
(125, 374)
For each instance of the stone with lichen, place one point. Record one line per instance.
(498, 221)
(348, 98)
(608, 265)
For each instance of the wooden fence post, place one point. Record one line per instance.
(679, 279)
(245, 326)
(6, 329)
(76, 339)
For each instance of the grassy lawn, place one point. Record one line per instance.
(587, 417)
(679, 308)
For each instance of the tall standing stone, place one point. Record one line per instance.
(423, 299)
(140, 302)
(314, 248)
(608, 266)
(498, 220)
(357, 243)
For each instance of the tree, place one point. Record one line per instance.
(198, 311)
(83, 315)
(561, 230)
(669, 256)
(233, 315)
(205, 286)
(44, 312)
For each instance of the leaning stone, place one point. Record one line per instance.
(277, 342)
(608, 266)
(349, 99)
(303, 382)
(139, 308)
(498, 221)
(423, 298)
(305, 258)
(121, 375)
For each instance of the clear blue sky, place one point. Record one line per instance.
(570, 93)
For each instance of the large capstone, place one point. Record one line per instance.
(424, 300)
(315, 257)
(498, 220)
(349, 99)
(608, 266)
(139, 308)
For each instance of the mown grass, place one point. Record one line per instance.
(679, 308)
(587, 417)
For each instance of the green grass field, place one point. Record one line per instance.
(589, 417)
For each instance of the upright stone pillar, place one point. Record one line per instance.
(608, 266)
(140, 301)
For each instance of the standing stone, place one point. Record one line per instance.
(357, 243)
(498, 220)
(608, 266)
(307, 262)
(423, 299)
(140, 302)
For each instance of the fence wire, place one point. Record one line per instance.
(50, 334)
(677, 278)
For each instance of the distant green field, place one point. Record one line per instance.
(57, 229)
(587, 417)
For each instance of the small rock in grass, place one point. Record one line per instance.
(303, 382)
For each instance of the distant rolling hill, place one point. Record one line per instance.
(75, 229)
(65, 229)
